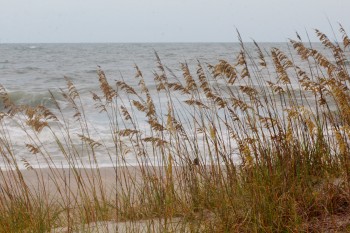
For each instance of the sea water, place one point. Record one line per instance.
(29, 71)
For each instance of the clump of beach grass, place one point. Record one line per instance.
(249, 146)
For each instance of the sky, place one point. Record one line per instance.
(94, 21)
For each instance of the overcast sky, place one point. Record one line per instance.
(33, 21)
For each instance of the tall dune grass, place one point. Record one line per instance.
(237, 147)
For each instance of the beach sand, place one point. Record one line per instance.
(151, 225)
(71, 185)
(56, 181)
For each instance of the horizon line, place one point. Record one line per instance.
(163, 42)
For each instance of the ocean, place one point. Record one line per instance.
(29, 71)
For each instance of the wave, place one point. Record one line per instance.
(31, 68)
(92, 71)
(27, 69)
(32, 99)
